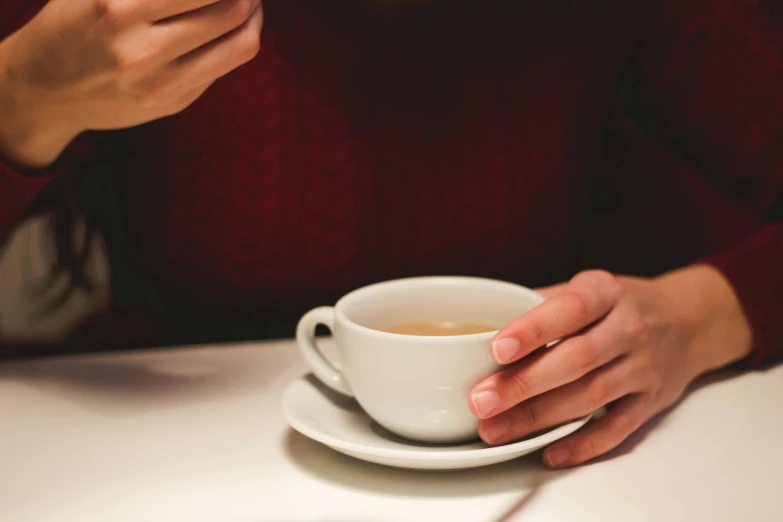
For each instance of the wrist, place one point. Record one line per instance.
(710, 317)
(30, 136)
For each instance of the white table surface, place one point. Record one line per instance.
(197, 435)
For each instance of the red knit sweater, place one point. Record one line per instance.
(519, 140)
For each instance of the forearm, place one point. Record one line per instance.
(704, 303)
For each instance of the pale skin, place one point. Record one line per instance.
(109, 64)
(631, 343)
(635, 343)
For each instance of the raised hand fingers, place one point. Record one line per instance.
(178, 36)
(161, 90)
(144, 50)
(587, 298)
(223, 55)
(157, 10)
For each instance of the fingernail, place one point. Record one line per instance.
(557, 457)
(505, 349)
(494, 429)
(485, 402)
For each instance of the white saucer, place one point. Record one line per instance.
(338, 422)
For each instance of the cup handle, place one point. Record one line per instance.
(322, 367)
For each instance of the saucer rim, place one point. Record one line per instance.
(424, 453)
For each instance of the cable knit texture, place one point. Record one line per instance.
(485, 138)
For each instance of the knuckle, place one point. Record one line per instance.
(577, 305)
(521, 386)
(601, 277)
(585, 354)
(117, 13)
(591, 276)
(588, 448)
(621, 426)
(606, 281)
(531, 331)
(130, 60)
(240, 11)
(526, 419)
(614, 288)
(599, 392)
(636, 327)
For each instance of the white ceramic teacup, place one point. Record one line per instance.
(414, 386)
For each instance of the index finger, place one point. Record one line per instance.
(588, 297)
(157, 10)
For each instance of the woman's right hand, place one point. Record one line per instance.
(108, 64)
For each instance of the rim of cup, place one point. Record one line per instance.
(344, 320)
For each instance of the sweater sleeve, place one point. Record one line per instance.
(17, 191)
(20, 187)
(712, 77)
(755, 269)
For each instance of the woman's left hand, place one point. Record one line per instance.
(634, 344)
